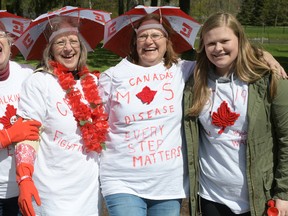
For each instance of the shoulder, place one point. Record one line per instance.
(40, 80)
(26, 68)
(187, 68)
(123, 66)
(187, 63)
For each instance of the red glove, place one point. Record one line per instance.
(27, 189)
(19, 131)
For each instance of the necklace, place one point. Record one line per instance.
(91, 118)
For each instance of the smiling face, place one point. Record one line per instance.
(66, 50)
(151, 46)
(5, 50)
(221, 47)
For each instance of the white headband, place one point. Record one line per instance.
(151, 26)
(62, 30)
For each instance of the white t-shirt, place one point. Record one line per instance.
(9, 94)
(66, 176)
(144, 154)
(223, 156)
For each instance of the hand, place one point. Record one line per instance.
(24, 130)
(27, 189)
(19, 131)
(274, 64)
(282, 206)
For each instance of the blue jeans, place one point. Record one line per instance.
(9, 207)
(127, 204)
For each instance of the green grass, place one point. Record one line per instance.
(102, 59)
(268, 32)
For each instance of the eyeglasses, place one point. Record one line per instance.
(153, 37)
(73, 43)
(3, 34)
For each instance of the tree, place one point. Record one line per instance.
(131, 4)
(185, 5)
(3, 4)
(276, 12)
(257, 18)
(154, 2)
(120, 7)
(246, 12)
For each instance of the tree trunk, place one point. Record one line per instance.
(120, 7)
(131, 4)
(185, 6)
(154, 2)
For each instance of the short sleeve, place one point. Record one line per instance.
(32, 98)
(105, 85)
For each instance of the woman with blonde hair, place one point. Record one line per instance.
(236, 112)
(59, 175)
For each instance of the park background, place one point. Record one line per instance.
(265, 22)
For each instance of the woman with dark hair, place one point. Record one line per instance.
(142, 169)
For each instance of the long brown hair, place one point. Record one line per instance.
(170, 56)
(249, 65)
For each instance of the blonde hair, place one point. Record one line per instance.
(54, 25)
(249, 65)
(170, 56)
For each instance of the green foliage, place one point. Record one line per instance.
(201, 9)
(249, 12)
(246, 13)
(33, 8)
(264, 12)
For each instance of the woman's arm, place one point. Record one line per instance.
(274, 64)
(280, 122)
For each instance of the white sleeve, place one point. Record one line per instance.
(32, 98)
(105, 85)
(188, 68)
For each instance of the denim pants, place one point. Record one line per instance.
(128, 204)
(9, 207)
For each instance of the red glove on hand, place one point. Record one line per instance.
(19, 131)
(27, 189)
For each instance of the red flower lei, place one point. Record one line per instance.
(91, 117)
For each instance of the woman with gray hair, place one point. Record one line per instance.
(61, 171)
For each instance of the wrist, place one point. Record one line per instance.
(22, 178)
(5, 139)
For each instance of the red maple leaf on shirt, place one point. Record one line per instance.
(224, 117)
(146, 95)
(9, 118)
